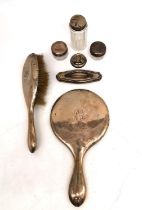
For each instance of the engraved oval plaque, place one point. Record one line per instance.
(79, 76)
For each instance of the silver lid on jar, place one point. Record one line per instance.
(78, 30)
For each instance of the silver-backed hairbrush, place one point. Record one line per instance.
(35, 81)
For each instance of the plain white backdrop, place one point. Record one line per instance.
(113, 168)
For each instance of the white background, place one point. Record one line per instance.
(113, 168)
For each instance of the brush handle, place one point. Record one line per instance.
(32, 142)
(77, 188)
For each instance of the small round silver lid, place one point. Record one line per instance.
(78, 22)
(59, 50)
(78, 60)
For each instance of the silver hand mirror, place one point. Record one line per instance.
(79, 118)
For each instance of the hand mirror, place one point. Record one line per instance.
(79, 118)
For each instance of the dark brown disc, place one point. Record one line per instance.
(98, 49)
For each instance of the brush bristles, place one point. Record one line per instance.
(42, 81)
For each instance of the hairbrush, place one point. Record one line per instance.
(35, 81)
